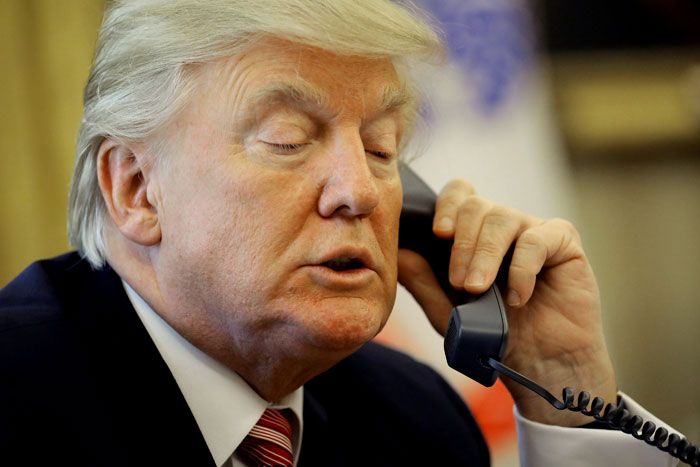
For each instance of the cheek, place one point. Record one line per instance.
(387, 222)
(229, 221)
(255, 221)
(224, 255)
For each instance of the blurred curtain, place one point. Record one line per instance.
(46, 48)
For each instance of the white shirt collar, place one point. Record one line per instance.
(223, 404)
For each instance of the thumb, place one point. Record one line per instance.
(417, 276)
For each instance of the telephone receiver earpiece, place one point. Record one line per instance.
(477, 329)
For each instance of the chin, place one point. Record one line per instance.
(344, 328)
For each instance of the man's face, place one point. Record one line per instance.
(279, 203)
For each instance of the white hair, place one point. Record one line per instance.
(139, 80)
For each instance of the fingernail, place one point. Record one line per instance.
(445, 224)
(475, 279)
(513, 298)
(458, 275)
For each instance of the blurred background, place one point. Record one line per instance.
(588, 110)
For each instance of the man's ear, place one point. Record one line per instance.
(124, 185)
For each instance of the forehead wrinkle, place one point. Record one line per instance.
(307, 96)
(301, 94)
(221, 85)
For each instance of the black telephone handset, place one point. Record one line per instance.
(478, 331)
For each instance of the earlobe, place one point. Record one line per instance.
(124, 181)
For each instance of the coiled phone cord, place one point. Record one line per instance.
(616, 417)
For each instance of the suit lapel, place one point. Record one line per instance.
(317, 442)
(148, 412)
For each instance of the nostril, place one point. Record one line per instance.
(350, 193)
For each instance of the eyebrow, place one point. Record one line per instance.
(302, 95)
(309, 97)
(395, 99)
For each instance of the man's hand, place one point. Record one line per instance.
(552, 300)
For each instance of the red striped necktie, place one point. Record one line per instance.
(269, 443)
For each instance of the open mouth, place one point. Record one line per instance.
(343, 263)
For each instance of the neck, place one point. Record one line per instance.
(272, 373)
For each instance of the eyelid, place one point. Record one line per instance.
(381, 154)
(381, 144)
(287, 148)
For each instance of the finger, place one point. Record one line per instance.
(468, 226)
(416, 275)
(447, 207)
(501, 226)
(529, 255)
(550, 243)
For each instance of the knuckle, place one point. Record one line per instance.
(503, 224)
(490, 250)
(530, 240)
(521, 271)
(565, 226)
(463, 244)
(530, 249)
(456, 189)
(461, 184)
(519, 267)
(499, 218)
(447, 205)
(505, 215)
(470, 206)
(533, 247)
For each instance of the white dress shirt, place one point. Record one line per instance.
(226, 408)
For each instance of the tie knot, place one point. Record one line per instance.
(269, 443)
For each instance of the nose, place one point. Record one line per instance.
(350, 188)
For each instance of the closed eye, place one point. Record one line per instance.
(286, 148)
(380, 154)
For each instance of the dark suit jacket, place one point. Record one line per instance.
(82, 384)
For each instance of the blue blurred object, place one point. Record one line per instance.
(492, 42)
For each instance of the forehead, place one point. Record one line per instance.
(275, 70)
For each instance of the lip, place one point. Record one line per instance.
(343, 280)
(360, 254)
